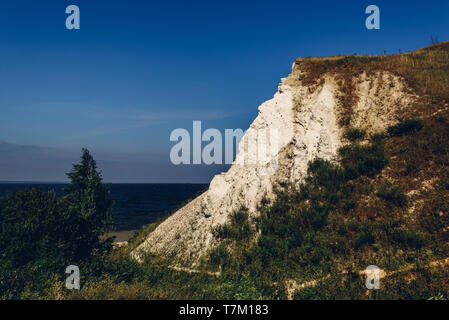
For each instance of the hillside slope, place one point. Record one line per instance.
(324, 105)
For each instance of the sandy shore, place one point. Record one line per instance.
(121, 236)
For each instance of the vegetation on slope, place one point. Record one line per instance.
(426, 72)
(347, 216)
(383, 202)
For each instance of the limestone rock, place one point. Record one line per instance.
(306, 128)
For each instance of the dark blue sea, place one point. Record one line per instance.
(135, 205)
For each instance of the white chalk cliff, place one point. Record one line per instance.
(305, 123)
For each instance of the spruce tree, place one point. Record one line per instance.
(87, 206)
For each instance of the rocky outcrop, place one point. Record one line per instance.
(296, 126)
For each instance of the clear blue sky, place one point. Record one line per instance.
(136, 70)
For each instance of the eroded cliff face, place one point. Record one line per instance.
(305, 121)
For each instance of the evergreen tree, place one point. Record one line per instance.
(88, 208)
(41, 233)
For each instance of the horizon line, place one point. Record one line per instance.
(106, 182)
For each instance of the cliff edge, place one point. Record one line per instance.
(309, 113)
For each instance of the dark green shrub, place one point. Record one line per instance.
(238, 228)
(315, 252)
(321, 215)
(408, 238)
(348, 205)
(392, 194)
(268, 248)
(220, 257)
(324, 173)
(367, 236)
(358, 160)
(405, 127)
(222, 231)
(354, 134)
(32, 227)
(297, 237)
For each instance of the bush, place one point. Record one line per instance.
(405, 127)
(367, 236)
(320, 217)
(219, 257)
(354, 134)
(358, 160)
(32, 227)
(268, 247)
(408, 238)
(392, 194)
(348, 205)
(315, 253)
(324, 173)
(238, 228)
